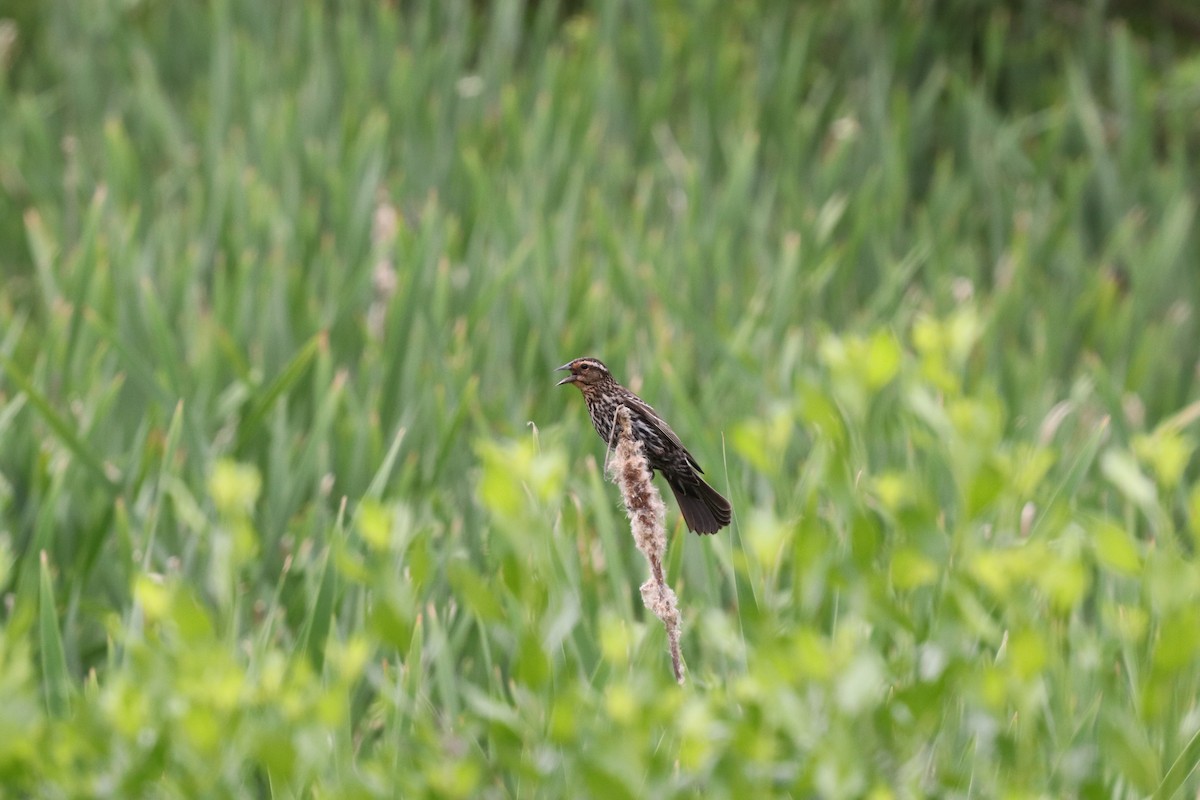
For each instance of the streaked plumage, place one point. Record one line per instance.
(703, 508)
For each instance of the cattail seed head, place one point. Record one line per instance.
(647, 516)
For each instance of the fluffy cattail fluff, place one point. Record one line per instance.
(647, 515)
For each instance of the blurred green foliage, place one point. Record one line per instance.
(289, 505)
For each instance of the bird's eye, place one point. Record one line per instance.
(585, 367)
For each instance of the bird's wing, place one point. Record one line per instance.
(652, 418)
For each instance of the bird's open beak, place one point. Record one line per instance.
(570, 378)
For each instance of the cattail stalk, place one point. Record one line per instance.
(647, 516)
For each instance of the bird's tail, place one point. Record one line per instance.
(703, 508)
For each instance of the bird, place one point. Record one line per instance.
(704, 509)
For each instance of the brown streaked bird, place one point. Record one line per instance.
(704, 509)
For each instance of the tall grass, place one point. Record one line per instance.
(289, 505)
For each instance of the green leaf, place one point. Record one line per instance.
(1115, 547)
(1167, 452)
(476, 593)
(882, 360)
(910, 569)
(1122, 471)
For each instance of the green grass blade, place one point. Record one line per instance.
(1181, 769)
(288, 377)
(65, 430)
(320, 615)
(380, 479)
(56, 682)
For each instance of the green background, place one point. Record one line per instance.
(290, 505)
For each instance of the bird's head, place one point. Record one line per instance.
(585, 373)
